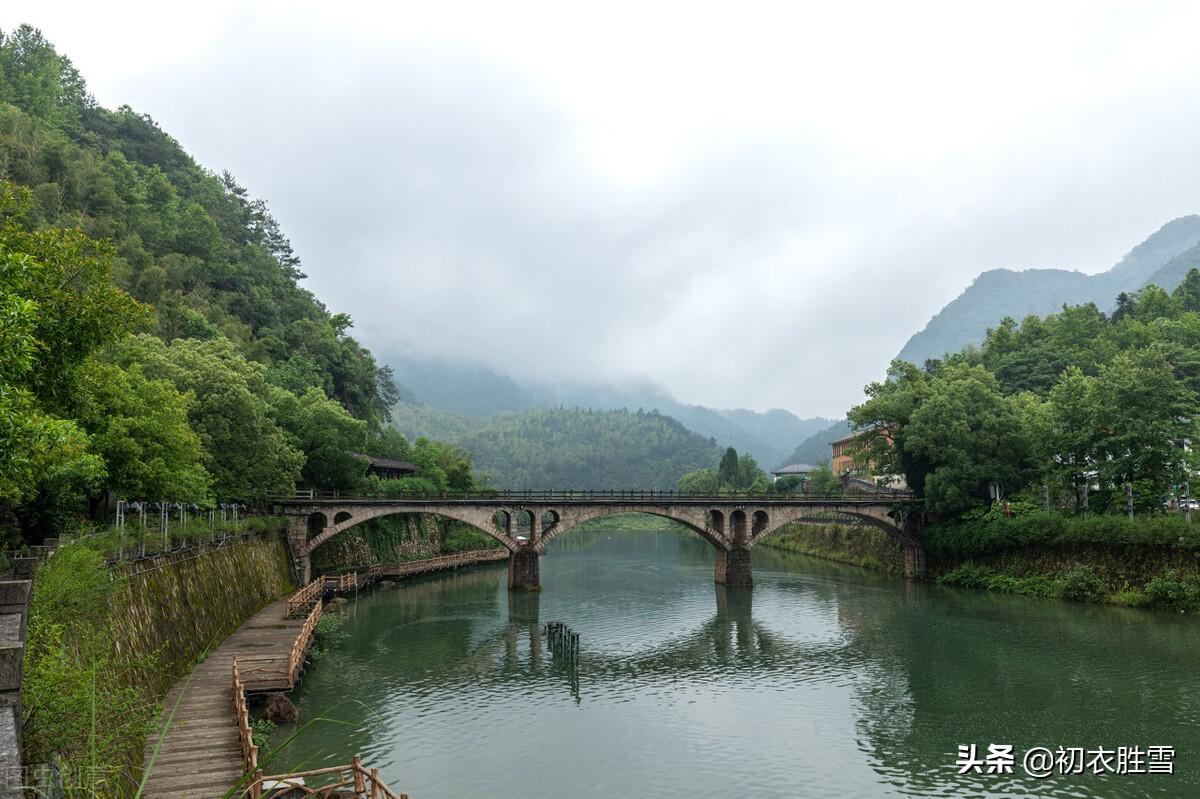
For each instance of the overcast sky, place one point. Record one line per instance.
(753, 205)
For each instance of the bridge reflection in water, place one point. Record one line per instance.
(827, 681)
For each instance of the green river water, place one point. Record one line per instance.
(821, 681)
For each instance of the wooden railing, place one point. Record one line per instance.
(340, 582)
(242, 714)
(384, 570)
(302, 600)
(301, 643)
(352, 779)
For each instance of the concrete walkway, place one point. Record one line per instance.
(201, 757)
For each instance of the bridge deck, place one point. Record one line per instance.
(201, 756)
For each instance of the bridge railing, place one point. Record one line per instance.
(609, 495)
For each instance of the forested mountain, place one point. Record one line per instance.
(472, 390)
(1000, 293)
(569, 447)
(815, 449)
(155, 340)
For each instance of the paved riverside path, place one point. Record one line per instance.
(201, 757)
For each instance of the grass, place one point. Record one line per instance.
(1170, 590)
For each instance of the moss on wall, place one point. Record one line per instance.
(178, 607)
(860, 545)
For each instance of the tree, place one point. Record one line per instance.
(1068, 432)
(56, 308)
(1187, 293)
(1144, 416)
(326, 433)
(140, 428)
(749, 475)
(245, 449)
(822, 480)
(727, 471)
(884, 419)
(970, 435)
(700, 481)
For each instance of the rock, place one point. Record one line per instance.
(280, 709)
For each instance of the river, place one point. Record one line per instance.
(821, 681)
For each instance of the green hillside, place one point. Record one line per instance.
(156, 341)
(1000, 293)
(569, 447)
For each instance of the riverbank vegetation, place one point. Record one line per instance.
(1068, 433)
(1078, 411)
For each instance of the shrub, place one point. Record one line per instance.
(1172, 590)
(1081, 584)
(261, 731)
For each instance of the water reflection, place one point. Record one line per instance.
(823, 680)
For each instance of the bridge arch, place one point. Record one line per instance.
(478, 520)
(872, 517)
(702, 521)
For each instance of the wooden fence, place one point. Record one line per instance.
(352, 779)
(303, 600)
(383, 571)
(297, 657)
(242, 713)
(341, 582)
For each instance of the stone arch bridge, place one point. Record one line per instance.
(525, 521)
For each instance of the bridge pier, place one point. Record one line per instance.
(733, 567)
(915, 561)
(523, 570)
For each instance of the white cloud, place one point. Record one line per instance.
(753, 204)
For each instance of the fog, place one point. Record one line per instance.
(751, 205)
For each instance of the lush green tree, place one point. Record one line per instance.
(749, 476)
(700, 481)
(822, 480)
(1187, 293)
(245, 449)
(326, 433)
(884, 418)
(1144, 415)
(727, 470)
(56, 308)
(971, 435)
(1068, 432)
(140, 428)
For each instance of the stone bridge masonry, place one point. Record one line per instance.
(525, 522)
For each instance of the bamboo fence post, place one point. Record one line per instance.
(359, 788)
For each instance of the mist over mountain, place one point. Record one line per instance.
(1162, 259)
(464, 392)
(815, 449)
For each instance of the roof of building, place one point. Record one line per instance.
(386, 463)
(794, 468)
(850, 437)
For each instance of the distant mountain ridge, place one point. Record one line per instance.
(1162, 259)
(568, 447)
(471, 391)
